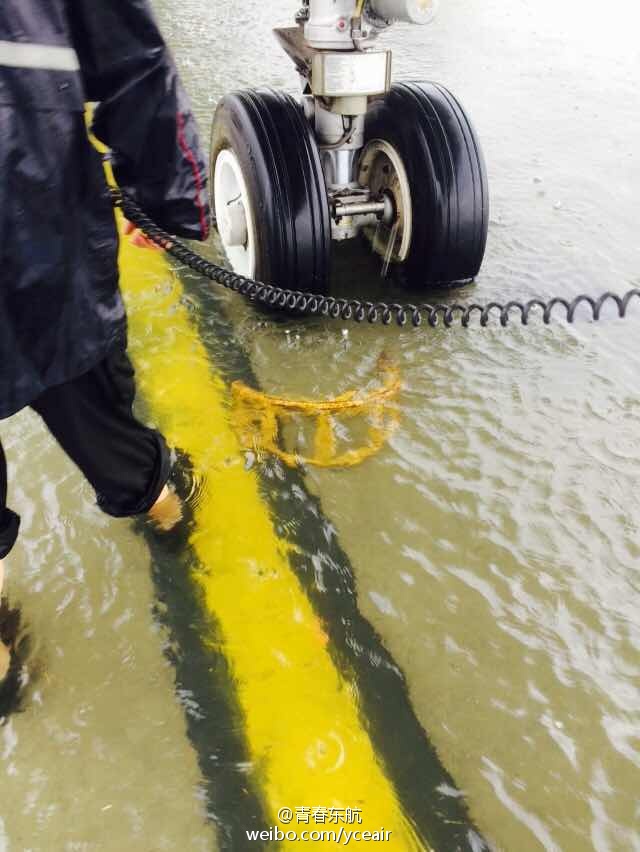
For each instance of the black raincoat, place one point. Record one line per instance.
(61, 311)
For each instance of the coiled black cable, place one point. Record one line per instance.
(357, 310)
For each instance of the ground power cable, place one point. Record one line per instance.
(315, 304)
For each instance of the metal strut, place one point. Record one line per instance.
(357, 310)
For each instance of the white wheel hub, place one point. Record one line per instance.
(234, 214)
(232, 224)
(382, 171)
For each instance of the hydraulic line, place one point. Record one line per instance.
(343, 140)
(315, 304)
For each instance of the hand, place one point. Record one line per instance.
(138, 239)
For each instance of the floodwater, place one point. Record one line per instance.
(493, 542)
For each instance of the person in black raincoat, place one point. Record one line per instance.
(62, 319)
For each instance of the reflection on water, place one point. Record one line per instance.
(494, 541)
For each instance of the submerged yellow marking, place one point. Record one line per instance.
(308, 743)
(257, 418)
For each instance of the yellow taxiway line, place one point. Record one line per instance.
(306, 736)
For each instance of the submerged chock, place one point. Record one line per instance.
(259, 420)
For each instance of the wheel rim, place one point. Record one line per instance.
(382, 171)
(234, 214)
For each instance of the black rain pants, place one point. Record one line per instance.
(92, 419)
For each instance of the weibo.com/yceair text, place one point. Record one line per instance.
(340, 834)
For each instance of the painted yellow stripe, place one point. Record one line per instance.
(307, 740)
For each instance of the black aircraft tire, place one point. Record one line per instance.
(447, 178)
(272, 141)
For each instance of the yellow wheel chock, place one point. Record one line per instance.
(258, 419)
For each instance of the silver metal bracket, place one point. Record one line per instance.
(337, 74)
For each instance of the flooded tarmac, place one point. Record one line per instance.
(473, 584)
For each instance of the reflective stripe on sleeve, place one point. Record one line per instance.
(15, 54)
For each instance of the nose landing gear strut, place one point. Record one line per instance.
(400, 164)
